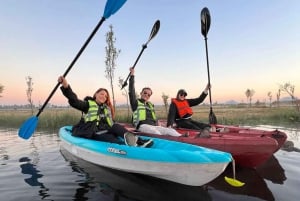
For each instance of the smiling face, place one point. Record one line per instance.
(101, 96)
(181, 94)
(146, 93)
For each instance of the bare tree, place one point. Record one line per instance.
(165, 100)
(111, 55)
(29, 92)
(249, 94)
(1, 89)
(278, 97)
(270, 98)
(290, 90)
(125, 93)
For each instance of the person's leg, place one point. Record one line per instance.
(167, 131)
(129, 138)
(118, 130)
(200, 125)
(187, 123)
(145, 128)
(107, 137)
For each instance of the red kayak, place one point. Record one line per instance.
(248, 150)
(279, 136)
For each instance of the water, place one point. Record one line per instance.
(38, 169)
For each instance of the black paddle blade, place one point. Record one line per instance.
(153, 33)
(212, 117)
(154, 30)
(205, 21)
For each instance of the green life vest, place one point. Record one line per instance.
(140, 113)
(92, 114)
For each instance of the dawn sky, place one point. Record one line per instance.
(251, 45)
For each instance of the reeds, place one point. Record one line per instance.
(53, 119)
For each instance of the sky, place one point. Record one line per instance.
(251, 45)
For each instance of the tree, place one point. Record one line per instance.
(125, 93)
(29, 92)
(111, 55)
(290, 90)
(249, 94)
(278, 97)
(165, 100)
(1, 89)
(270, 98)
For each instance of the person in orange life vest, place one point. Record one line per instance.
(144, 117)
(180, 111)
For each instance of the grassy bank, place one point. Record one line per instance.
(52, 119)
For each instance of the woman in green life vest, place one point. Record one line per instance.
(97, 118)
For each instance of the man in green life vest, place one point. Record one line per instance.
(144, 118)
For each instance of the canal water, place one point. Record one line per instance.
(39, 169)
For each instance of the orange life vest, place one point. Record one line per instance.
(183, 107)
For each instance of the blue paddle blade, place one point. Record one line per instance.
(28, 127)
(112, 6)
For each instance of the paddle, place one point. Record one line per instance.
(28, 127)
(153, 33)
(205, 24)
(232, 181)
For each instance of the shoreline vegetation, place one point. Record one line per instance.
(51, 119)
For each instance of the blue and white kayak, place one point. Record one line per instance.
(170, 160)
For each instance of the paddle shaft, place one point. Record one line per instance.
(208, 74)
(137, 59)
(72, 64)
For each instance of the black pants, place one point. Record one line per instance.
(191, 124)
(112, 134)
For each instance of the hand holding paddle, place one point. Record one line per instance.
(28, 127)
(205, 24)
(153, 33)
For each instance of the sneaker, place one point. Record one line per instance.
(144, 143)
(130, 139)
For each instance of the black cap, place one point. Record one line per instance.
(181, 91)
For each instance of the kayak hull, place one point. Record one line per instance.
(248, 149)
(174, 161)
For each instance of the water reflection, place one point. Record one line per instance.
(255, 184)
(272, 171)
(118, 185)
(29, 167)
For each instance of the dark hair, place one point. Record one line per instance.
(180, 92)
(147, 88)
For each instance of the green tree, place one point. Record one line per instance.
(29, 92)
(1, 89)
(111, 55)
